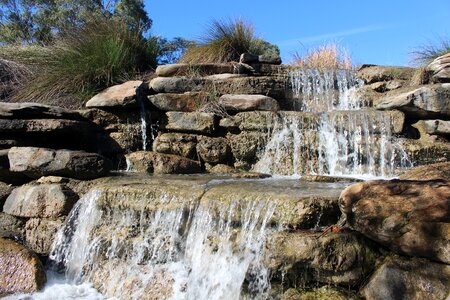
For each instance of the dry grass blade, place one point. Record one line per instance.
(12, 76)
(426, 53)
(327, 56)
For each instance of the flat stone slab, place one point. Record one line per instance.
(373, 73)
(121, 95)
(440, 68)
(29, 110)
(36, 162)
(45, 126)
(40, 201)
(438, 171)
(237, 103)
(193, 69)
(158, 163)
(437, 127)
(187, 102)
(177, 84)
(195, 122)
(181, 144)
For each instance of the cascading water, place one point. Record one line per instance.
(345, 137)
(201, 251)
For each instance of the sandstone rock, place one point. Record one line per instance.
(157, 163)
(224, 76)
(437, 127)
(6, 175)
(37, 162)
(213, 150)
(193, 69)
(402, 278)
(426, 102)
(250, 175)
(229, 123)
(385, 86)
(322, 293)
(45, 126)
(409, 217)
(332, 258)
(248, 58)
(196, 122)
(269, 59)
(439, 171)
(424, 152)
(244, 147)
(112, 119)
(177, 84)
(40, 201)
(237, 103)
(256, 120)
(176, 143)
(220, 169)
(121, 95)
(327, 178)
(40, 234)
(28, 110)
(5, 190)
(187, 102)
(11, 227)
(20, 270)
(440, 68)
(372, 73)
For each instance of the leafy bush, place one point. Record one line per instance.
(225, 41)
(83, 62)
(327, 56)
(426, 53)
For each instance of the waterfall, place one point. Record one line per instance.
(143, 114)
(204, 251)
(344, 138)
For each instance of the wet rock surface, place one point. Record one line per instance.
(409, 217)
(439, 171)
(40, 234)
(20, 270)
(158, 163)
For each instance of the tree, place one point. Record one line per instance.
(170, 51)
(39, 21)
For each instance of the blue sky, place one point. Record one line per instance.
(378, 32)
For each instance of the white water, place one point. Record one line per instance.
(206, 252)
(345, 139)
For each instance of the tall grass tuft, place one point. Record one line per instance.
(224, 41)
(327, 56)
(12, 76)
(82, 62)
(425, 54)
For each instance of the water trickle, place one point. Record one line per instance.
(334, 134)
(144, 116)
(205, 251)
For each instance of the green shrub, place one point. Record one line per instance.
(225, 41)
(426, 53)
(83, 62)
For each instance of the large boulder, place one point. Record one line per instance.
(439, 69)
(213, 150)
(438, 171)
(176, 143)
(237, 103)
(40, 234)
(121, 95)
(12, 227)
(8, 176)
(158, 163)
(37, 162)
(402, 278)
(187, 102)
(40, 201)
(409, 217)
(426, 102)
(195, 122)
(193, 69)
(20, 270)
(372, 73)
(28, 110)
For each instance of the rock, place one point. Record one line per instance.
(229, 123)
(437, 127)
(187, 102)
(37, 162)
(20, 270)
(425, 152)
(158, 163)
(237, 103)
(213, 150)
(251, 175)
(176, 143)
(426, 102)
(439, 171)
(12, 227)
(45, 126)
(221, 169)
(402, 278)
(244, 147)
(224, 76)
(121, 95)
(371, 73)
(269, 59)
(385, 86)
(40, 234)
(331, 258)
(322, 293)
(177, 85)
(28, 110)
(6, 175)
(409, 217)
(40, 201)
(248, 58)
(327, 178)
(5, 190)
(193, 69)
(112, 120)
(440, 68)
(195, 122)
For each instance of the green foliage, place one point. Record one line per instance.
(170, 51)
(83, 62)
(225, 41)
(40, 21)
(426, 53)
